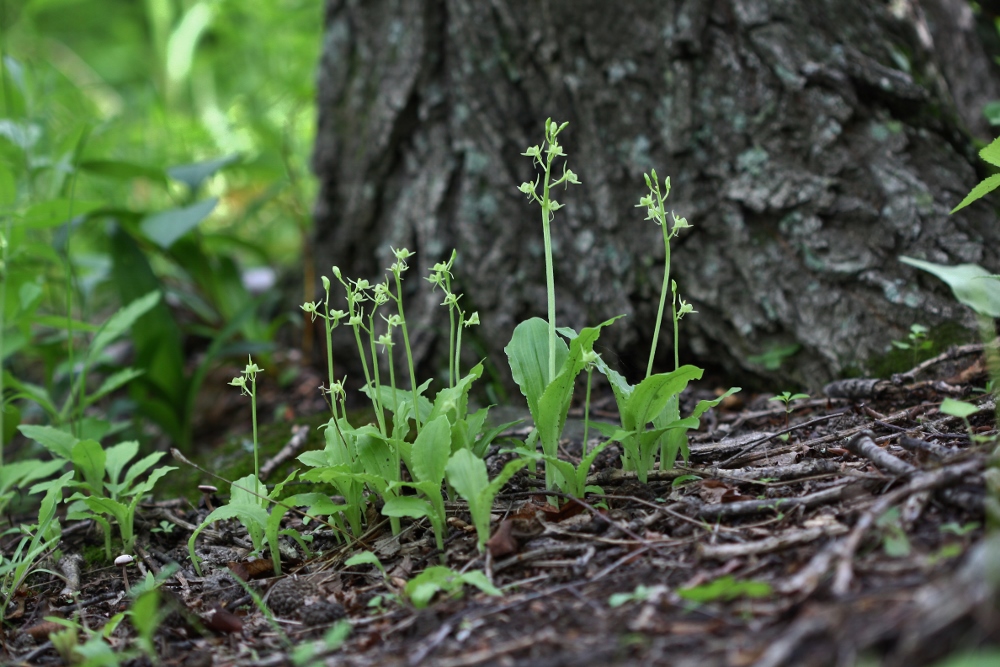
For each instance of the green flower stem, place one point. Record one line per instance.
(550, 280)
(409, 353)
(452, 370)
(376, 388)
(368, 376)
(328, 326)
(458, 344)
(586, 412)
(676, 320)
(253, 417)
(662, 220)
(3, 309)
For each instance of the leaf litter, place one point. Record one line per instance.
(857, 531)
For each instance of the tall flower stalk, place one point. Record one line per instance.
(657, 212)
(549, 206)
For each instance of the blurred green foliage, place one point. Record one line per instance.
(147, 145)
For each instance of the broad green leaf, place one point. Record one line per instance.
(246, 513)
(409, 506)
(193, 175)
(89, 458)
(118, 456)
(528, 355)
(55, 440)
(165, 228)
(61, 323)
(972, 285)
(950, 406)
(158, 341)
(481, 446)
(121, 322)
(138, 468)
(423, 587)
(453, 401)
(113, 382)
(478, 579)
(377, 457)
(365, 558)
(108, 506)
(22, 473)
(122, 170)
(55, 212)
(147, 485)
(651, 395)
(431, 450)
(467, 474)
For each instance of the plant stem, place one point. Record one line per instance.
(663, 292)
(458, 345)
(409, 353)
(676, 320)
(253, 416)
(377, 389)
(586, 412)
(550, 289)
(329, 351)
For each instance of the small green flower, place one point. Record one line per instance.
(473, 319)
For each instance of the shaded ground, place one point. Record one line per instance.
(864, 518)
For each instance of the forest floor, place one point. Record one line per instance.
(855, 534)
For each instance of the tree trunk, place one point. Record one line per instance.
(808, 143)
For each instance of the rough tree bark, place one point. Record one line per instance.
(808, 143)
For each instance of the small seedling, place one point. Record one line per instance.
(959, 530)
(916, 341)
(963, 411)
(786, 398)
(725, 588)
(895, 543)
(439, 579)
(642, 593)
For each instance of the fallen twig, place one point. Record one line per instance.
(921, 482)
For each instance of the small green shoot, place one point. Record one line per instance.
(725, 588)
(916, 341)
(960, 530)
(895, 543)
(439, 579)
(467, 474)
(641, 593)
(963, 411)
(786, 398)
(773, 358)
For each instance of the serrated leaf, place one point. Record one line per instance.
(89, 458)
(55, 440)
(991, 153)
(983, 188)
(118, 456)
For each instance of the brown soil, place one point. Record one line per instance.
(855, 533)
